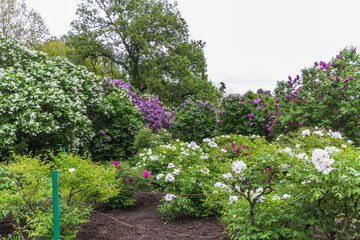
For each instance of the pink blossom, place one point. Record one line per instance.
(146, 173)
(131, 180)
(115, 163)
(267, 169)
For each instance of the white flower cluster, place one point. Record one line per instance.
(233, 199)
(238, 167)
(288, 150)
(169, 197)
(255, 194)
(43, 96)
(223, 186)
(321, 160)
(169, 178)
(210, 142)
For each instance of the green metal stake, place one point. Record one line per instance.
(56, 218)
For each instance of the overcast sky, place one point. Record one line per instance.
(251, 44)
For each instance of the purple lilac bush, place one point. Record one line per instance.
(155, 116)
(326, 94)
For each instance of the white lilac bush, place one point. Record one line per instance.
(45, 103)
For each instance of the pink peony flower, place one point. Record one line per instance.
(131, 180)
(116, 163)
(267, 169)
(146, 173)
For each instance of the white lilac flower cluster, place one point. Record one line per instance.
(43, 96)
(322, 161)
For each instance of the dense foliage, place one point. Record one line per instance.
(299, 187)
(25, 193)
(326, 94)
(51, 103)
(194, 120)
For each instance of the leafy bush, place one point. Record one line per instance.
(146, 138)
(150, 107)
(116, 129)
(303, 189)
(46, 103)
(247, 114)
(326, 94)
(130, 180)
(194, 120)
(26, 193)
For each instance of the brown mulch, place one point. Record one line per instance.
(141, 222)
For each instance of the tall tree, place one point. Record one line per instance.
(149, 42)
(25, 24)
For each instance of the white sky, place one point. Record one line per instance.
(251, 44)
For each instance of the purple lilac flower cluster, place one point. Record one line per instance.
(155, 115)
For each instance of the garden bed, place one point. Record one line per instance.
(140, 222)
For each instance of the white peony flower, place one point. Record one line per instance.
(171, 165)
(302, 156)
(212, 144)
(288, 150)
(176, 171)
(228, 175)
(207, 140)
(275, 198)
(238, 167)
(169, 178)
(72, 169)
(169, 197)
(233, 199)
(193, 145)
(159, 176)
(285, 196)
(336, 135)
(205, 170)
(318, 155)
(320, 133)
(322, 162)
(306, 132)
(331, 150)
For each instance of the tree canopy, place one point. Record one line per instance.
(25, 24)
(147, 41)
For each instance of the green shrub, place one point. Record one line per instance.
(28, 197)
(45, 102)
(194, 120)
(130, 180)
(146, 138)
